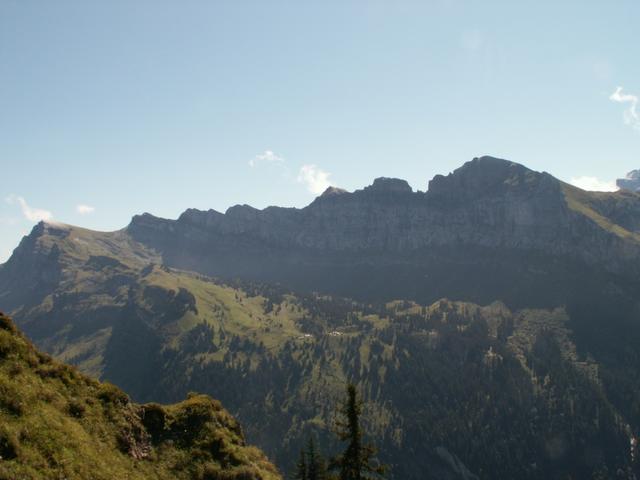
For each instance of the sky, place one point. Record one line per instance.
(111, 109)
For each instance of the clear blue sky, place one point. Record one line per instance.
(133, 106)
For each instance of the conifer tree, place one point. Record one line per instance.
(355, 463)
(301, 467)
(316, 467)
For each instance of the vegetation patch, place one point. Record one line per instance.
(57, 423)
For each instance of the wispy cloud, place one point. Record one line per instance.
(593, 184)
(267, 156)
(84, 209)
(631, 116)
(315, 179)
(30, 213)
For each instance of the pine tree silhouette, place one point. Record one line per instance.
(355, 463)
(301, 467)
(316, 465)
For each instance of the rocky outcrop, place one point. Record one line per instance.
(630, 182)
(487, 202)
(34, 268)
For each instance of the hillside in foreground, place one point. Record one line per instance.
(58, 423)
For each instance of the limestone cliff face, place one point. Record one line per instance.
(492, 229)
(34, 267)
(486, 203)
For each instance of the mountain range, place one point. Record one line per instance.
(491, 322)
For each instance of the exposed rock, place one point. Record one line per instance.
(488, 207)
(630, 182)
(492, 229)
(332, 191)
(391, 185)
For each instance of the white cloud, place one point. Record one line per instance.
(84, 209)
(30, 213)
(267, 156)
(631, 116)
(315, 179)
(593, 184)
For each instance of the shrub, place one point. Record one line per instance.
(9, 446)
(76, 408)
(109, 393)
(10, 401)
(7, 345)
(6, 323)
(154, 419)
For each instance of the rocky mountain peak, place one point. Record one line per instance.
(200, 217)
(333, 191)
(389, 185)
(486, 176)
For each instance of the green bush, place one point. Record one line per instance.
(9, 446)
(154, 419)
(76, 408)
(110, 394)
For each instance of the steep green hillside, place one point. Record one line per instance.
(58, 423)
(617, 213)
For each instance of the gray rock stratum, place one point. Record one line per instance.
(491, 229)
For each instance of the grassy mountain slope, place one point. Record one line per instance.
(58, 423)
(617, 213)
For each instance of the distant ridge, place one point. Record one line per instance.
(487, 207)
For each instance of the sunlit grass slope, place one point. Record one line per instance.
(58, 423)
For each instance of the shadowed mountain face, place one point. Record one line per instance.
(490, 230)
(543, 385)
